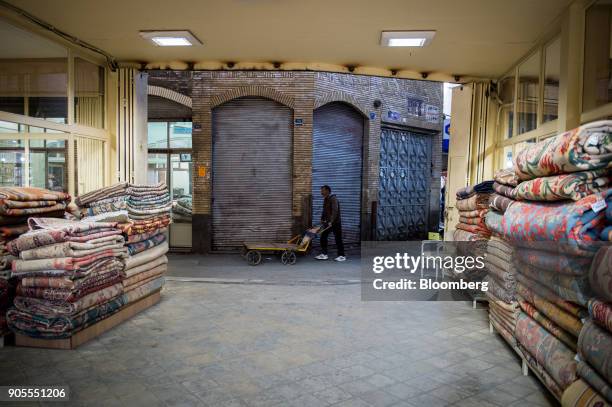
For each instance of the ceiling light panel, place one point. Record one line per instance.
(406, 38)
(180, 38)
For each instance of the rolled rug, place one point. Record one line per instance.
(600, 274)
(548, 381)
(548, 351)
(580, 394)
(560, 317)
(546, 293)
(594, 379)
(595, 348)
(601, 313)
(555, 262)
(570, 340)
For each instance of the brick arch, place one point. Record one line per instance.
(260, 91)
(170, 95)
(339, 96)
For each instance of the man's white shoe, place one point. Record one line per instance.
(322, 257)
(340, 258)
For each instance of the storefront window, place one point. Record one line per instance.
(181, 175)
(158, 135)
(518, 147)
(47, 162)
(506, 96)
(170, 161)
(552, 68)
(157, 168)
(597, 85)
(12, 164)
(33, 75)
(180, 135)
(507, 157)
(88, 93)
(528, 90)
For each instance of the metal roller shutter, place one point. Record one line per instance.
(337, 161)
(405, 185)
(252, 151)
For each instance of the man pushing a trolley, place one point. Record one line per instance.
(330, 219)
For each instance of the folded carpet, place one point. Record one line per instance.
(506, 177)
(573, 186)
(575, 225)
(587, 147)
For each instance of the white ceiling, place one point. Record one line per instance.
(474, 37)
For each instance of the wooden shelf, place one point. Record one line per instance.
(92, 331)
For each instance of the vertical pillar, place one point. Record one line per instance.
(572, 47)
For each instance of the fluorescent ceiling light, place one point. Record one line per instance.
(406, 38)
(182, 38)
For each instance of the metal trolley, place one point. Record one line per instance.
(253, 251)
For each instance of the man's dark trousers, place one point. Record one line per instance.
(336, 227)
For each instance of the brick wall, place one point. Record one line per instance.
(410, 102)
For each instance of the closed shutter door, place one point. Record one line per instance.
(337, 162)
(252, 143)
(405, 185)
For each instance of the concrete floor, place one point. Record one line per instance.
(241, 343)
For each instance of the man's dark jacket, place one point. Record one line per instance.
(331, 210)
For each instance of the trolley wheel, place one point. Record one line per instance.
(292, 258)
(253, 257)
(288, 257)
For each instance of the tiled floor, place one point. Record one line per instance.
(287, 345)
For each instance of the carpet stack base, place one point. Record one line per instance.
(526, 365)
(93, 331)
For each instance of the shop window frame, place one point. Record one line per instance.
(70, 126)
(71, 177)
(168, 152)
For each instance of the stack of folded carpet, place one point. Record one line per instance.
(556, 226)
(595, 340)
(146, 212)
(149, 211)
(473, 204)
(16, 205)
(70, 276)
(104, 200)
(471, 234)
(504, 187)
(502, 275)
(182, 210)
(502, 283)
